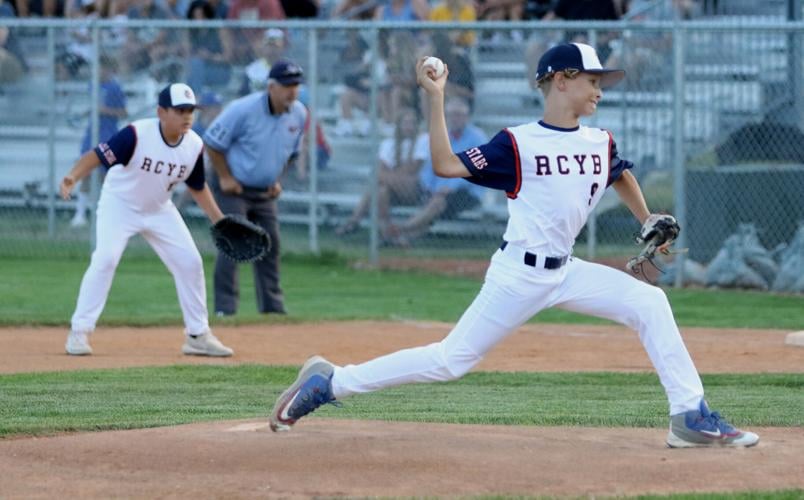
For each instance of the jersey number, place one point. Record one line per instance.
(592, 194)
(173, 184)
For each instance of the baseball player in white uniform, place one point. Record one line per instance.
(146, 160)
(554, 172)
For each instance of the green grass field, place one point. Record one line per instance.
(329, 289)
(42, 291)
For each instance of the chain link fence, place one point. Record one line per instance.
(710, 113)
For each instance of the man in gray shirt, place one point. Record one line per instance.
(249, 145)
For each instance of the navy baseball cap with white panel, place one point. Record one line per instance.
(577, 56)
(286, 73)
(177, 95)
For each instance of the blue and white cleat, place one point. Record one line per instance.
(702, 428)
(311, 389)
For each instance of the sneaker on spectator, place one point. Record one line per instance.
(363, 127)
(78, 220)
(343, 128)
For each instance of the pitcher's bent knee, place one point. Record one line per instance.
(459, 361)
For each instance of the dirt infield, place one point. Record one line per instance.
(325, 457)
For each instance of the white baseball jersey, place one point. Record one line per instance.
(553, 177)
(148, 167)
(135, 199)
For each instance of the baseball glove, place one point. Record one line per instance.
(239, 239)
(659, 230)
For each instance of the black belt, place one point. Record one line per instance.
(549, 262)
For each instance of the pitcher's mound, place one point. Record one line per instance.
(350, 458)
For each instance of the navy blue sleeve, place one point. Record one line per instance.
(119, 149)
(196, 179)
(616, 164)
(495, 164)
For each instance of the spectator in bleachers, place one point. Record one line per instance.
(444, 198)
(75, 57)
(75, 9)
(573, 10)
(246, 42)
(301, 8)
(355, 62)
(221, 8)
(178, 9)
(273, 48)
(356, 9)
(646, 62)
(400, 159)
(537, 9)
(401, 91)
(39, 8)
(456, 11)
(461, 81)
(208, 65)
(403, 10)
(323, 148)
(11, 68)
(111, 109)
(12, 62)
(118, 9)
(500, 10)
(154, 49)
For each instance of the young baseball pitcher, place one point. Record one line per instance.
(554, 172)
(146, 160)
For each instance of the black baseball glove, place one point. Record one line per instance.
(658, 230)
(239, 239)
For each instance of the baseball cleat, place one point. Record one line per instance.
(205, 345)
(699, 428)
(78, 343)
(311, 389)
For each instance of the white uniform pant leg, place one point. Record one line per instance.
(168, 235)
(115, 224)
(605, 292)
(505, 302)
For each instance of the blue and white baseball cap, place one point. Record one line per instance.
(577, 56)
(177, 95)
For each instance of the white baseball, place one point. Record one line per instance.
(436, 64)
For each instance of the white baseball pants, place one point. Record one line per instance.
(168, 235)
(514, 292)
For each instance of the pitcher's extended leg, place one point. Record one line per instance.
(605, 292)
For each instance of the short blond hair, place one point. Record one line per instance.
(544, 82)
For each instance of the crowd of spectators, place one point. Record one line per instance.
(205, 57)
(230, 62)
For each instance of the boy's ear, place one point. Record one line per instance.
(559, 80)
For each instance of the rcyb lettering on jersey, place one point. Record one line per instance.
(159, 167)
(565, 166)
